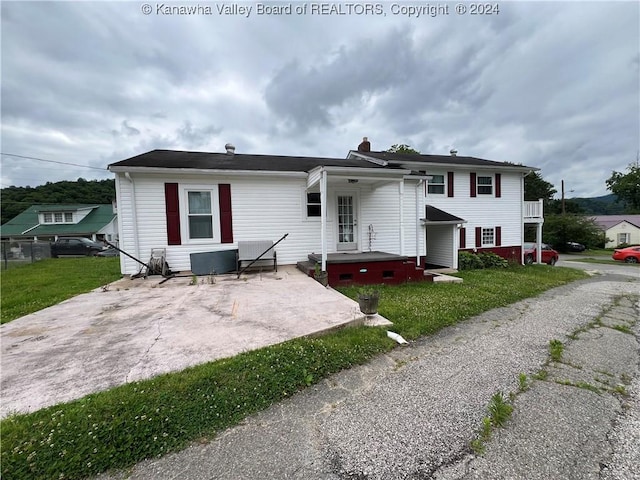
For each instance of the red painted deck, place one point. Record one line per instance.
(368, 268)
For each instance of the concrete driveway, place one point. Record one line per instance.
(137, 329)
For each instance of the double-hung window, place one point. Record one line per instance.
(313, 204)
(200, 214)
(488, 237)
(436, 185)
(624, 238)
(485, 185)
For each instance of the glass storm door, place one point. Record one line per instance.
(347, 223)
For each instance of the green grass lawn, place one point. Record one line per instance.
(606, 261)
(122, 426)
(34, 286)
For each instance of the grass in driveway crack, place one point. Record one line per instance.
(500, 410)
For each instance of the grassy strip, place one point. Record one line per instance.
(119, 427)
(34, 286)
(606, 261)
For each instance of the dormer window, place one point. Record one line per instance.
(57, 217)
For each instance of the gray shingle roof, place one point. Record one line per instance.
(439, 159)
(238, 161)
(434, 214)
(283, 163)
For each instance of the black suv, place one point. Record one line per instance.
(75, 246)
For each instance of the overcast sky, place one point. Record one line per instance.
(553, 85)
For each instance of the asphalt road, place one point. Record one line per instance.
(412, 414)
(572, 260)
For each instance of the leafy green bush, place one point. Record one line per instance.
(472, 261)
(491, 260)
(469, 261)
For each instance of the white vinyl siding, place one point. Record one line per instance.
(440, 240)
(628, 229)
(265, 208)
(486, 210)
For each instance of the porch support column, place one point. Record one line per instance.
(455, 245)
(401, 217)
(419, 209)
(539, 242)
(323, 218)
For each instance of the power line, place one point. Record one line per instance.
(52, 161)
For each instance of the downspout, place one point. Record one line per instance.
(419, 209)
(136, 247)
(323, 217)
(402, 217)
(522, 217)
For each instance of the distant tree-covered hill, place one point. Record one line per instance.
(17, 199)
(605, 205)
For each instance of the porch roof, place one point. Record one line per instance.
(435, 216)
(371, 174)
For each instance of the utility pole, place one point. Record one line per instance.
(563, 206)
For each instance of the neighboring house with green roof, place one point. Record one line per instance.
(48, 222)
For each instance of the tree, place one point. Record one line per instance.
(402, 148)
(535, 187)
(560, 229)
(627, 187)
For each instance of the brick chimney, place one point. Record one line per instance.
(365, 146)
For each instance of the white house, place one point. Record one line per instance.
(619, 229)
(385, 216)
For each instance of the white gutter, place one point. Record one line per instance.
(323, 218)
(401, 202)
(200, 171)
(134, 209)
(462, 166)
(418, 228)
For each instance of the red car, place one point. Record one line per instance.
(549, 255)
(628, 255)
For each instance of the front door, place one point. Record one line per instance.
(347, 222)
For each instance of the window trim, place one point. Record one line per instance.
(185, 215)
(484, 185)
(307, 204)
(484, 233)
(627, 237)
(442, 184)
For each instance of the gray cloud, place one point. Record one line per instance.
(548, 84)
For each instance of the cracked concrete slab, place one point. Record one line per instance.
(139, 328)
